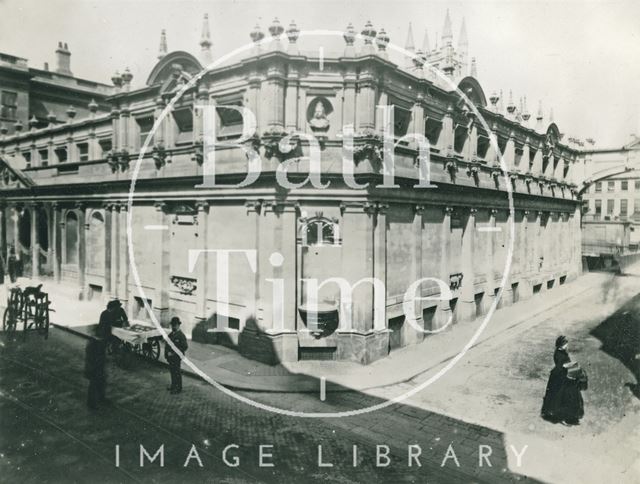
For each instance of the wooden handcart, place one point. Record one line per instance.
(137, 339)
(28, 308)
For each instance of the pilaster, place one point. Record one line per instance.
(489, 294)
(161, 296)
(466, 307)
(444, 314)
(35, 247)
(83, 227)
(108, 236)
(202, 267)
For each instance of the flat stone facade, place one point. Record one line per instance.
(497, 218)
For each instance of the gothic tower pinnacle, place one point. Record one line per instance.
(163, 44)
(205, 42)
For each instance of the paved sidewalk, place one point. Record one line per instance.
(232, 370)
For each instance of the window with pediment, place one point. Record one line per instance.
(320, 231)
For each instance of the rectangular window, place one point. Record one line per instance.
(27, 157)
(598, 187)
(624, 208)
(184, 122)
(636, 206)
(637, 184)
(105, 146)
(61, 154)
(8, 105)
(145, 123)
(44, 157)
(83, 151)
(611, 186)
(401, 120)
(624, 185)
(598, 208)
(610, 207)
(229, 121)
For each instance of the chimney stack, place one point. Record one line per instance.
(63, 59)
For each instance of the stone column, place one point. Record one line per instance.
(446, 139)
(466, 307)
(539, 260)
(201, 271)
(83, 227)
(577, 233)
(108, 255)
(380, 262)
(510, 152)
(125, 129)
(349, 106)
(35, 247)
(489, 294)
(253, 100)
(357, 230)
(549, 244)
(472, 143)
(383, 116)
(123, 259)
(115, 251)
(275, 100)
(158, 136)
(526, 156)
(161, 296)
(291, 100)
(536, 167)
(279, 263)
(524, 285)
(365, 103)
(16, 237)
(93, 145)
(507, 290)
(443, 313)
(115, 129)
(411, 336)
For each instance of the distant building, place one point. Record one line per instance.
(612, 183)
(67, 149)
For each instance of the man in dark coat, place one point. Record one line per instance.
(179, 340)
(95, 371)
(109, 318)
(12, 265)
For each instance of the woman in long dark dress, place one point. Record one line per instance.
(563, 400)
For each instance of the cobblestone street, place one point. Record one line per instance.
(491, 398)
(48, 435)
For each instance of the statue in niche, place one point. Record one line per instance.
(319, 121)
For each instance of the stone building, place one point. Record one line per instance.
(611, 182)
(65, 184)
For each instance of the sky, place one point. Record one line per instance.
(580, 58)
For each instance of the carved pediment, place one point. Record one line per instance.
(11, 176)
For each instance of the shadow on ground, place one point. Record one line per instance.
(46, 378)
(620, 338)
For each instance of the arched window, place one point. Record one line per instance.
(320, 231)
(96, 244)
(71, 238)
